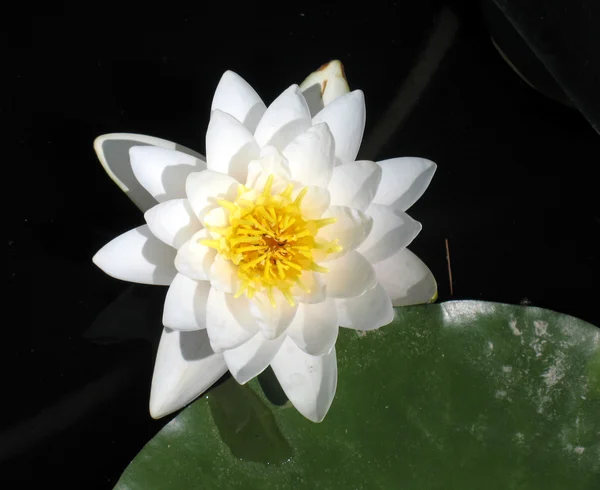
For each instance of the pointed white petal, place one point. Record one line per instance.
(351, 229)
(349, 276)
(204, 188)
(271, 162)
(194, 259)
(137, 256)
(185, 367)
(403, 182)
(308, 381)
(324, 86)
(315, 327)
(224, 275)
(284, 119)
(236, 97)
(272, 320)
(113, 153)
(406, 279)
(229, 146)
(370, 310)
(228, 321)
(346, 118)
(185, 304)
(173, 222)
(311, 156)
(392, 230)
(252, 358)
(355, 184)
(163, 172)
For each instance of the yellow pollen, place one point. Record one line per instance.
(270, 241)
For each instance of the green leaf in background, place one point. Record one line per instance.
(461, 395)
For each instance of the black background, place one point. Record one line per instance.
(514, 194)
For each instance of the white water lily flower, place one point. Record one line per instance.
(269, 244)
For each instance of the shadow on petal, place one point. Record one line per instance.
(246, 425)
(190, 350)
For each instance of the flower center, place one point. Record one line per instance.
(270, 241)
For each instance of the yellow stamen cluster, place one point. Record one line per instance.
(270, 241)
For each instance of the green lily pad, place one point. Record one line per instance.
(460, 395)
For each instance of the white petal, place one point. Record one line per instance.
(229, 146)
(284, 119)
(224, 275)
(324, 86)
(271, 162)
(308, 381)
(370, 310)
(346, 118)
(311, 156)
(228, 321)
(349, 276)
(315, 202)
(406, 279)
(163, 172)
(404, 181)
(315, 285)
(185, 304)
(113, 153)
(204, 188)
(236, 97)
(194, 259)
(351, 229)
(392, 230)
(137, 256)
(355, 184)
(185, 367)
(173, 222)
(252, 358)
(315, 327)
(218, 217)
(272, 320)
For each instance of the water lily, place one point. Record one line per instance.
(270, 243)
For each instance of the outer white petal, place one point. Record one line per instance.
(404, 181)
(272, 321)
(406, 279)
(236, 97)
(324, 86)
(349, 276)
(311, 156)
(315, 285)
(308, 381)
(113, 153)
(185, 304)
(185, 367)
(355, 184)
(346, 118)
(137, 256)
(284, 119)
(163, 172)
(370, 310)
(392, 230)
(204, 188)
(252, 358)
(229, 146)
(224, 275)
(315, 327)
(228, 321)
(351, 229)
(173, 222)
(194, 259)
